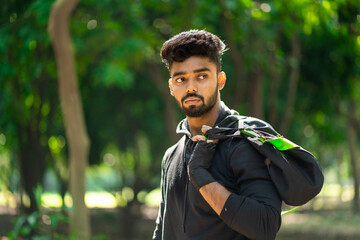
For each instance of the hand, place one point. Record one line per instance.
(204, 129)
(200, 160)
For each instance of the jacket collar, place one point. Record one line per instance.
(224, 120)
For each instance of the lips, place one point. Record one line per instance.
(192, 100)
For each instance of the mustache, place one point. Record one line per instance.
(192, 95)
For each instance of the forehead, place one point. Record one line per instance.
(192, 64)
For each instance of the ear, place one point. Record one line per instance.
(171, 87)
(221, 80)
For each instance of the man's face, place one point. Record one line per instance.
(194, 85)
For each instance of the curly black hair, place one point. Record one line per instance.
(193, 43)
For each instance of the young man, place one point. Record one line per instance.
(210, 190)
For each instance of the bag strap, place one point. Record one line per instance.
(281, 143)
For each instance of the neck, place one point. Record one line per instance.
(208, 119)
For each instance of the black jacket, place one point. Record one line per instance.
(253, 209)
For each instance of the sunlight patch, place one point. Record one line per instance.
(100, 200)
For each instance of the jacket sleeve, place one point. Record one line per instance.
(255, 209)
(158, 228)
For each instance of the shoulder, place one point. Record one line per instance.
(245, 162)
(240, 147)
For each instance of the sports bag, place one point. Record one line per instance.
(294, 171)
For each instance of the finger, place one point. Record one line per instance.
(205, 128)
(213, 141)
(198, 138)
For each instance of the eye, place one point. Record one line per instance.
(202, 76)
(179, 80)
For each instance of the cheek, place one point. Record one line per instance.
(177, 96)
(211, 90)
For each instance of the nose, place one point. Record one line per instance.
(191, 87)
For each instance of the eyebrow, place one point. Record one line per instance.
(195, 71)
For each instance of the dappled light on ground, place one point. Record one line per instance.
(100, 200)
(329, 198)
(92, 199)
(153, 198)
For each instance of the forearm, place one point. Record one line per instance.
(252, 218)
(215, 195)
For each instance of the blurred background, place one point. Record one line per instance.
(295, 64)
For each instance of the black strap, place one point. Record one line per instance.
(223, 133)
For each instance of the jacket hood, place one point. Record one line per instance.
(227, 118)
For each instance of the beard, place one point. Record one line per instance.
(198, 111)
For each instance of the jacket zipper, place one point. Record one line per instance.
(186, 187)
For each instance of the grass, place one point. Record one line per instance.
(329, 223)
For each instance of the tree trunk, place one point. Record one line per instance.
(31, 166)
(255, 94)
(235, 55)
(31, 153)
(273, 90)
(256, 91)
(339, 153)
(293, 82)
(163, 88)
(78, 140)
(352, 141)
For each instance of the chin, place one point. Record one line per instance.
(195, 112)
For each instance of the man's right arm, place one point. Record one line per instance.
(158, 228)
